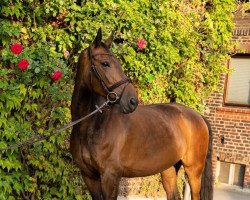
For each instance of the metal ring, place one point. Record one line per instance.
(110, 99)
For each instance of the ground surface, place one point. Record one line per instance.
(220, 193)
(224, 193)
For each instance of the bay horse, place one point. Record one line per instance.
(127, 140)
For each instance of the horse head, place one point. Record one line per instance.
(102, 74)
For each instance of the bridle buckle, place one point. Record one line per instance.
(112, 97)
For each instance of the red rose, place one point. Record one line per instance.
(23, 64)
(16, 48)
(56, 75)
(141, 43)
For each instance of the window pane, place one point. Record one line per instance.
(239, 175)
(238, 88)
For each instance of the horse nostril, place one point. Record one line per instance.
(133, 102)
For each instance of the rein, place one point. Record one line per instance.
(38, 138)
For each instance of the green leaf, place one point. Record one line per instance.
(23, 89)
(37, 70)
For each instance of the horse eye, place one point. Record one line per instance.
(105, 64)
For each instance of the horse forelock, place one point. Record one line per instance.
(105, 47)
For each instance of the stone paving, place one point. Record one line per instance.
(220, 193)
(227, 193)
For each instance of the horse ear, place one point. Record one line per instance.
(98, 38)
(109, 41)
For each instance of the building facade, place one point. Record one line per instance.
(229, 112)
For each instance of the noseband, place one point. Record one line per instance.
(109, 90)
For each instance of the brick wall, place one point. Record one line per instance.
(231, 125)
(231, 133)
(242, 31)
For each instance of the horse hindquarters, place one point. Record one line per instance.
(195, 158)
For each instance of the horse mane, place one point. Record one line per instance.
(81, 97)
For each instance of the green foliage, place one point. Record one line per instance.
(151, 187)
(187, 44)
(31, 103)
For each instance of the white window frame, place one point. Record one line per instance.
(231, 173)
(227, 84)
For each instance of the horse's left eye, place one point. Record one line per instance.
(105, 64)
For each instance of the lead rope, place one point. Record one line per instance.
(38, 138)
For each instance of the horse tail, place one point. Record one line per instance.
(207, 176)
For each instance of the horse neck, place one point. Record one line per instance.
(83, 99)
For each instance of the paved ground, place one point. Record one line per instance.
(220, 193)
(225, 193)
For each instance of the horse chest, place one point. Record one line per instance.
(82, 156)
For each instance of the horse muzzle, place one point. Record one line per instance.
(128, 104)
(129, 107)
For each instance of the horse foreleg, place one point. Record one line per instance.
(94, 187)
(110, 185)
(169, 182)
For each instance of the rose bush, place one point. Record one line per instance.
(23, 64)
(56, 75)
(34, 99)
(141, 43)
(16, 48)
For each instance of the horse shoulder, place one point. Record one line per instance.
(105, 139)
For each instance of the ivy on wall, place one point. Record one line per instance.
(173, 50)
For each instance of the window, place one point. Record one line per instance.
(238, 83)
(230, 173)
